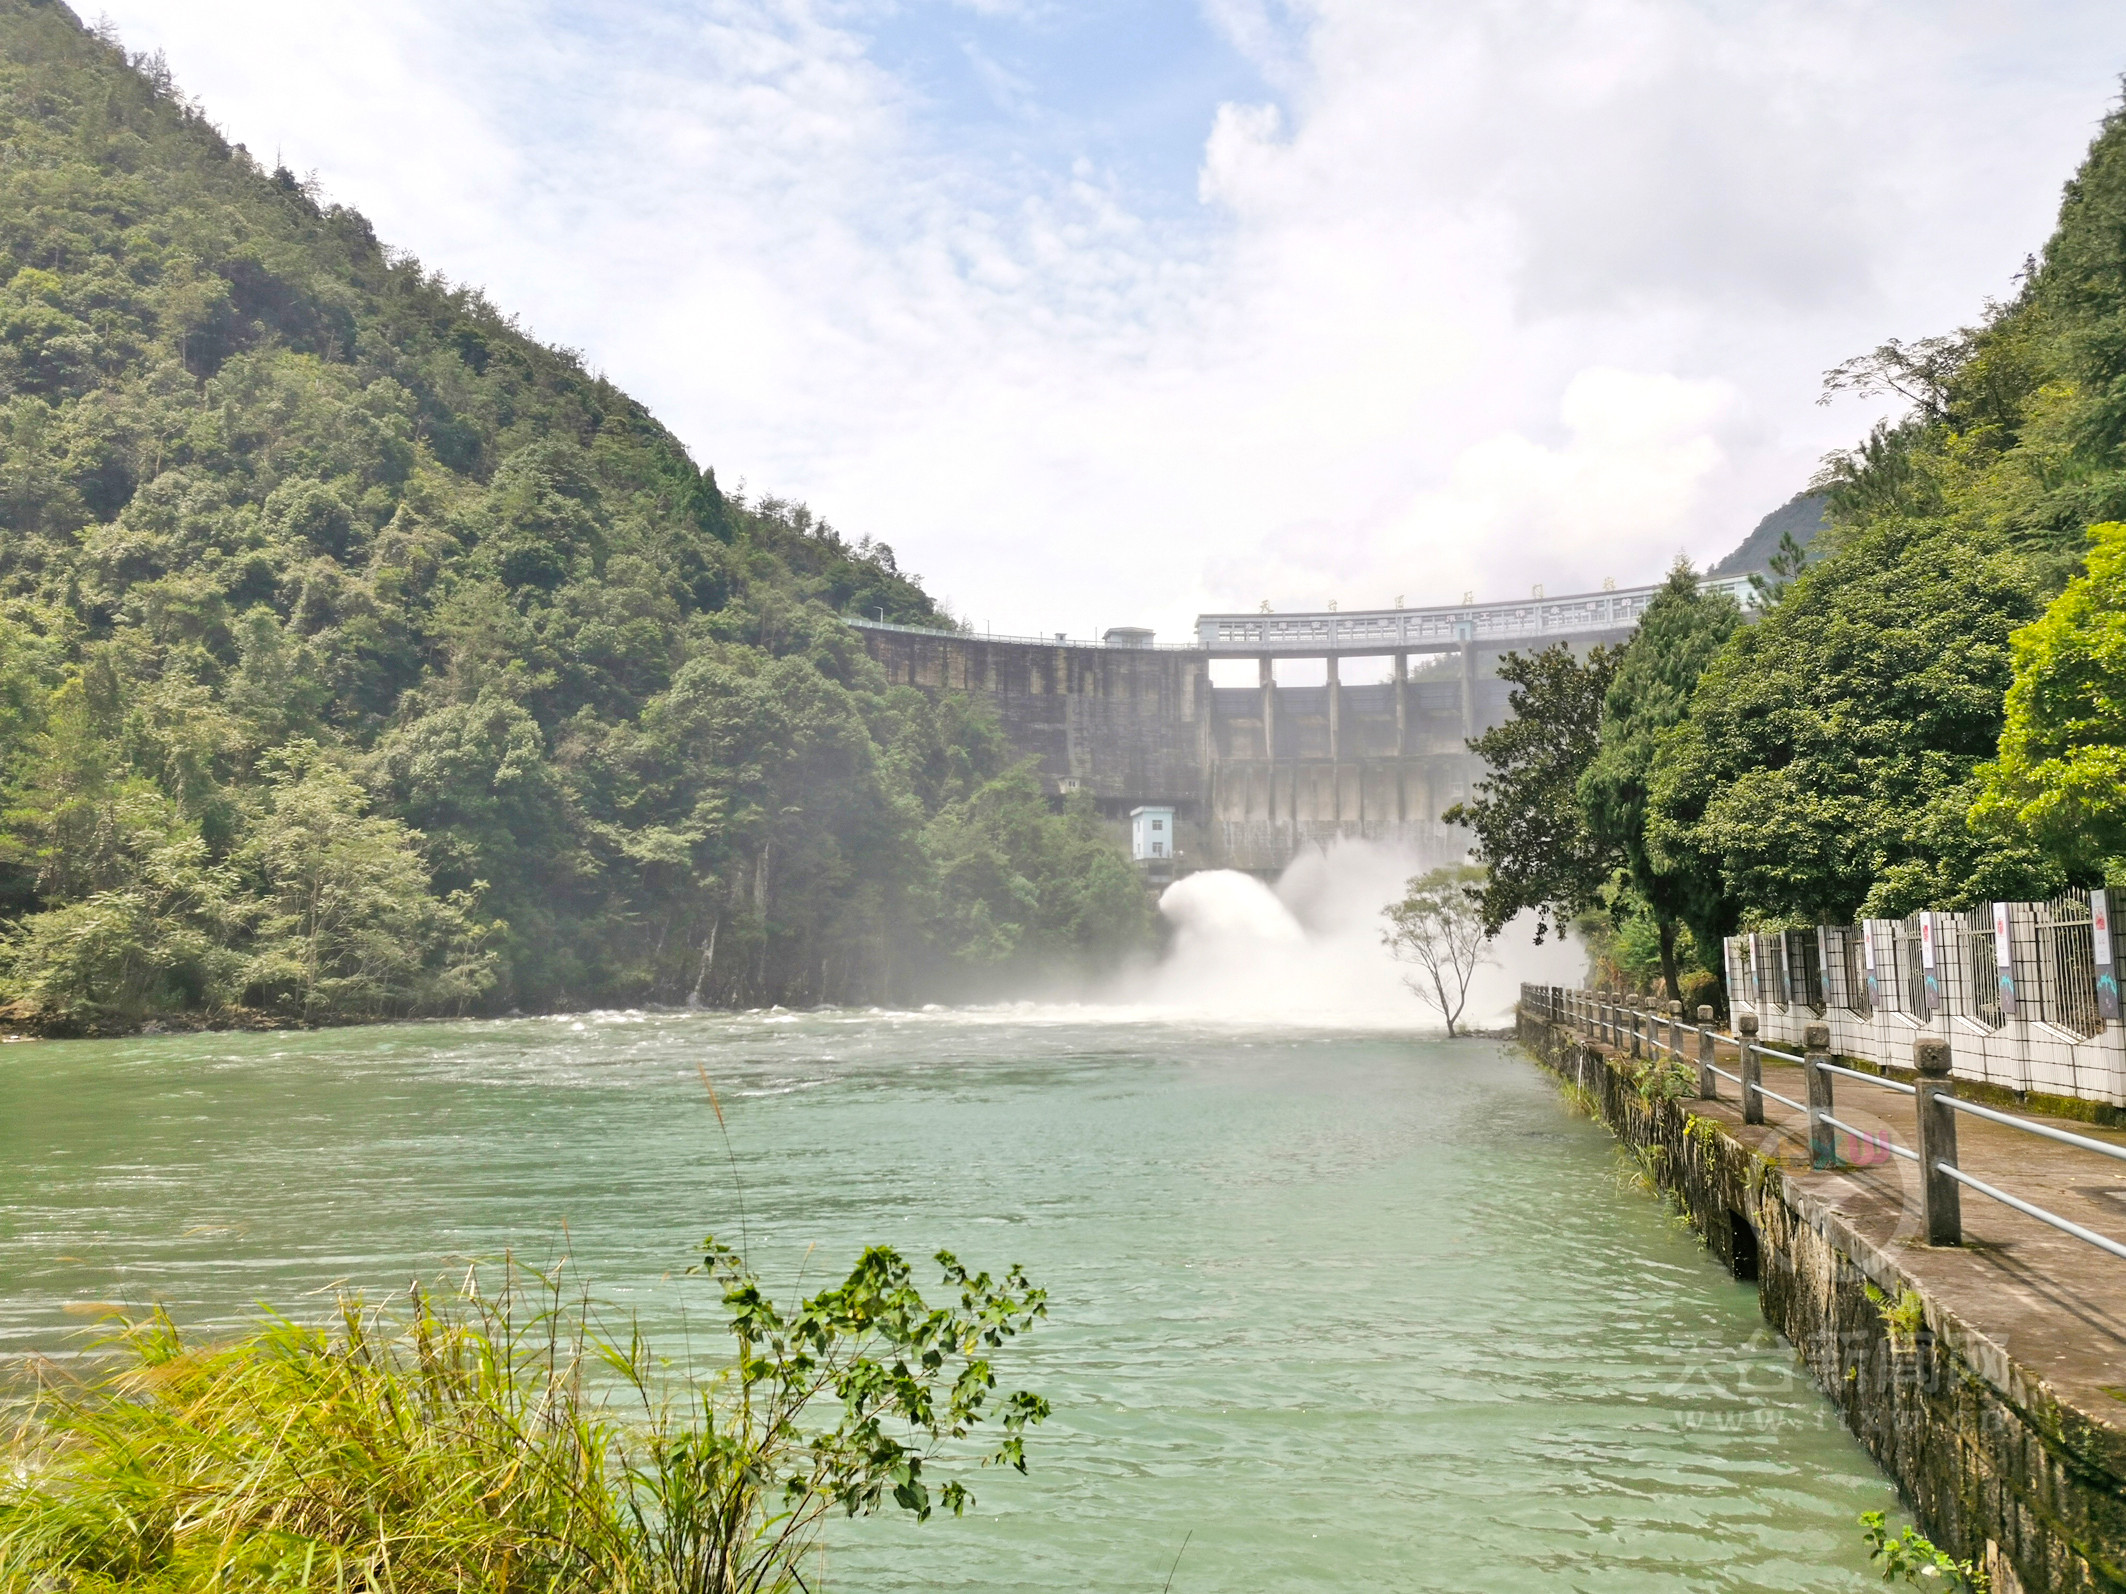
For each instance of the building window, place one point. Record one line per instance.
(1158, 849)
(1158, 824)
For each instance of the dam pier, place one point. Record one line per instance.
(1257, 772)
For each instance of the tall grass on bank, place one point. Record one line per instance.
(504, 1443)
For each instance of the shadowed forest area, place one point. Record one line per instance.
(361, 656)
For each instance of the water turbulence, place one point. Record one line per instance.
(1308, 950)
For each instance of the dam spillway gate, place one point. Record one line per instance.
(1258, 773)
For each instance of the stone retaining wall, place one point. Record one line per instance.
(1995, 1469)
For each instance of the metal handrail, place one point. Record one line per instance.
(2063, 1136)
(1871, 1079)
(2064, 1225)
(1941, 1230)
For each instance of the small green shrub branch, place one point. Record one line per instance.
(1914, 1558)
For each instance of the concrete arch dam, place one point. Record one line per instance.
(1257, 773)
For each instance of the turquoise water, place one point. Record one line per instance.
(1337, 1310)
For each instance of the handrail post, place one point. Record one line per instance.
(1823, 1139)
(1751, 1069)
(1632, 1019)
(1675, 1031)
(1941, 1206)
(1708, 1081)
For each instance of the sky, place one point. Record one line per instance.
(1114, 312)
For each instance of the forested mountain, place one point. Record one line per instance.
(360, 655)
(1800, 518)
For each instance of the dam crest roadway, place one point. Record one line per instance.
(1256, 774)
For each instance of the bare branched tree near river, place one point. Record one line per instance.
(1439, 927)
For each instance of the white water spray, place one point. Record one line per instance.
(1308, 950)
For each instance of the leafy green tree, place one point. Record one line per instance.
(2060, 779)
(1827, 764)
(1532, 835)
(159, 942)
(1030, 890)
(1649, 695)
(350, 929)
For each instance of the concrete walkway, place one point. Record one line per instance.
(2052, 1303)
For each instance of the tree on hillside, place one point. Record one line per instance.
(1439, 926)
(1532, 835)
(349, 928)
(2060, 779)
(1826, 767)
(1649, 693)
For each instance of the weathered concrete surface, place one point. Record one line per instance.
(1254, 777)
(2002, 1412)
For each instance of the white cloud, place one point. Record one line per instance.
(1474, 294)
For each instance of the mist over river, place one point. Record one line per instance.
(1354, 1309)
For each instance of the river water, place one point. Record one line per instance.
(1339, 1310)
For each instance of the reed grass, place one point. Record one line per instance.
(495, 1442)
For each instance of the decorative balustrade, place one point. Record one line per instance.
(1389, 630)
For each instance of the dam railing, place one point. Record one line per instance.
(1635, 1028)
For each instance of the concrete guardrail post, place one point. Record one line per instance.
(1675, 1030)
(1751, 1069)
(1823, 1139)
(1940, 1202)
(1708, 1081)
(1631, 1019)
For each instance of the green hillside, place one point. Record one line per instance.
(360, 655)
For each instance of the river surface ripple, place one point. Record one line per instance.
(1346, 1310)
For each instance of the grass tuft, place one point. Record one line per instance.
(497, 1442)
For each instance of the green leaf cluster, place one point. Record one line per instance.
(360, 655)
(1911, 1557)
(2060, 779)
